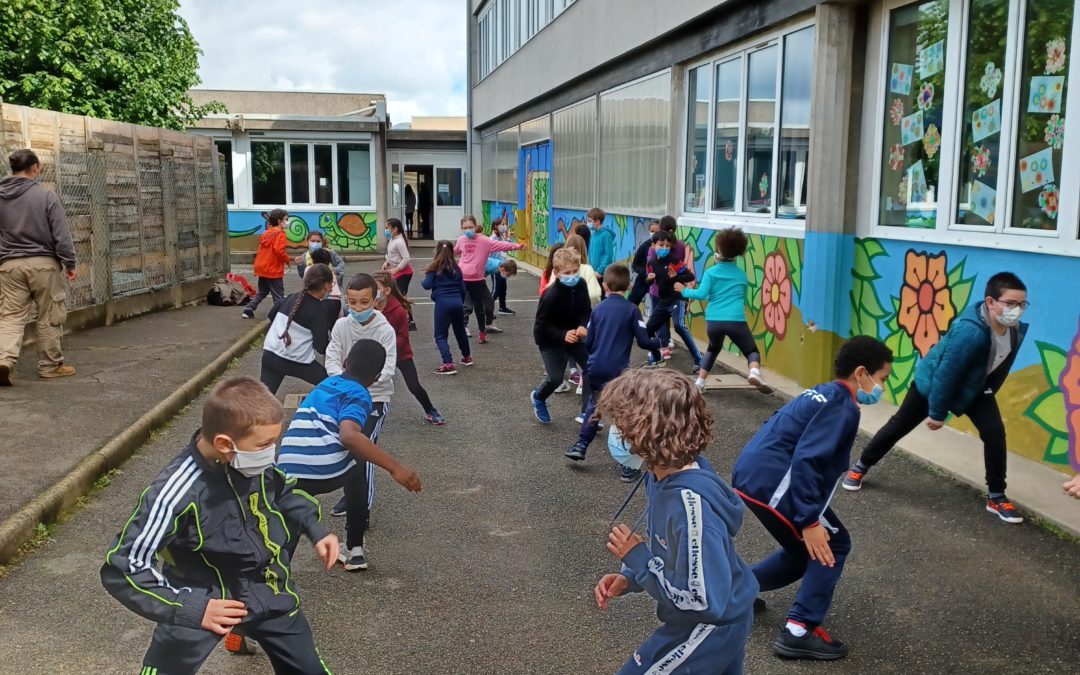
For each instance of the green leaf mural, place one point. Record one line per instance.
(866, 309)
(961, 287)
(1048, 409)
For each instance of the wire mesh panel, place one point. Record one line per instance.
(73, 172)
(125, 235)
(157, 268)
(187, 221)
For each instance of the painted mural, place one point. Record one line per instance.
(343, 231)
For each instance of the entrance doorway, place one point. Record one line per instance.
(417, 200)
(427, 193)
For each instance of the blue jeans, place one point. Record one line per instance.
(676, 313)
(450, 314)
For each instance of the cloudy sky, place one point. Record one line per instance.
(413, 52)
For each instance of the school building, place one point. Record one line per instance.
(337, 164)
(886, 157)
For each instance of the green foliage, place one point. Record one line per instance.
(126, 60)
(961, 287)
(794, 259)
(866, 309)
(1048, 409)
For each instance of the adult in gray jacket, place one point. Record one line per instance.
(35, 253)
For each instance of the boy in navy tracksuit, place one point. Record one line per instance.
(688, 564)
(217, 515)
(665, 273)
(613, 327)
(787, 475)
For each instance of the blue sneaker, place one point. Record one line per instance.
(540, 409)
(339, 508)
(576, 452)
(628, 475)
(435, 418)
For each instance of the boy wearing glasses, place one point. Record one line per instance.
(961, 375)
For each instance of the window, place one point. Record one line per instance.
(507, 153)
(635, 127)
(795, 124)
(574, 156)
(224, 149)
(268, 172)
(697, 147)
(760, 130)
(726, 155)
(324, 174)
(489, 169)
(299, 170)
(448, 187)
(354, 174)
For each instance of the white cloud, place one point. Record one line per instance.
(413, 52)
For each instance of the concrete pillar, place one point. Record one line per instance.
(839, 57)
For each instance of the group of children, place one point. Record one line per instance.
(225, 514)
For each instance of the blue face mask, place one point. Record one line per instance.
(314, 245)
(873, 397)
(470, 234)
(662, 252)
(388, 234)
(362, 317)
(620, 452)
(592, 225)
(569, 279)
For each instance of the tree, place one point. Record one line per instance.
(127, 60)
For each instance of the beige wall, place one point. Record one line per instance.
(286, 102)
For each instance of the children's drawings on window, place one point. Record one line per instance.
(986, 121)
(1046, 94)
(1036, 170)
(1055, 55)
(991, 80)
(900, 82)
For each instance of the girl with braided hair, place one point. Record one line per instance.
(300, 327)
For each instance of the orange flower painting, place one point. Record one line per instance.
(926, 308)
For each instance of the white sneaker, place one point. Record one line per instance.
(468, 333)
(580, 419)
(353, 559)
(562, 388)
(578, 391)
(755, 379)
(700, 386)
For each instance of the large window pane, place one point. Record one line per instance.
(298, 167)
(574, 156)
(489, 169)
(448, 187)
(1041, 125)
(726, 135)
(697, 141)
(224, 149)
(980, 150)
(795, 123)
(507, 153)
(354, 174)
(635, 128)
(268, 172)
(760, 130)
(915, 91)
(324, 174)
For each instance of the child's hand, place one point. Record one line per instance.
(582, 332)
(572, 337)
(651, 277)
(679, 288)
(621, 540)
(609, 586)
(816, 539)
(298, 259)
(222, 615)
(1072, 487)
(327, 549)
(934, 425)
(408, 478)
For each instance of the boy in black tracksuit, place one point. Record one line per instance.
(665, 275)
(639, 265)
(613, 327)
(216, 515)
(560, 330)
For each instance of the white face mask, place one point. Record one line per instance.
(253, 463)
(1010, 317)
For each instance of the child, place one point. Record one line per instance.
(491, 268)
(395, 307)
(270, 262)
(300, 327)
(560, 329)
(365, 323)
(703, 589)
(588, 274)
(323, 257)
(545, 276)
(665, 275)
(724, 285)
(500, 232)
(398, 261)
(681, 254)
(317, 242)
(639, 266)
(326, 447)
(225, 567)
(787, 476)
(961, 374)
(443, 278)
(613, 327)
(602, 244)
(474, 248)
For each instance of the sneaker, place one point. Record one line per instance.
(247, 314)
(671, 344)
(578, 390)
(435, 418)
(7, 376)
(339, 508)
(493, 329)
(238, 644)
(540, 409)
(695, 369)
(412, 327)
(481, 339)
(628, 475)
(562, 388)
(701, 386)
(446, 369)
(575, 378)
(816, 645)
(580, 419)
(656, 364)
(59, 371)
(666, 353)
(1004, 509)
(467, 361)
(353, 559)
(576, 452)
(506, 311)
(755, 379)
(853, 480)
(468, 332)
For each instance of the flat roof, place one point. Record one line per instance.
(306, 103)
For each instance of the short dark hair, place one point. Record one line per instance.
(617, 277)
(23, 160)
(596, 214)
(509, 266)
(668, 224)
(365, 361)
(236, 405)
(731, 243)
(321, 256)
(363, 281)
(861, 350)
(277, 216)
(663, 235)
(1001, 282)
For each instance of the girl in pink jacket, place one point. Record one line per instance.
(473, 249)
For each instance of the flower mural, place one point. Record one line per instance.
(776, 294)
(1057, 408)
(1069, 384)
(926, 308)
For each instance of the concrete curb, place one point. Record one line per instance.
(20, 527)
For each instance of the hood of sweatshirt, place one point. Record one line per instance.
(12, 187)
(717, 496)
(266, 237)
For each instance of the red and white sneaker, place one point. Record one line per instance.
(467, 361)
(481, 339)
(1004, 509)
(446, 369)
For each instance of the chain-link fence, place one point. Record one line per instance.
(146, 207)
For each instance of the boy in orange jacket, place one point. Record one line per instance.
(270, 262)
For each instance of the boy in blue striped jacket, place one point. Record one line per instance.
(326, 449)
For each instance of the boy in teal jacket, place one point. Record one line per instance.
(601, 242)
(961, 375)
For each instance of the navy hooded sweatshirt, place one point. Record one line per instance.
(794, 461)
(613, 327)
(689, 564)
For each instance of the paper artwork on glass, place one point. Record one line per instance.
(900, 82)
(896, 111)
(932, 59)
(896, 157)
(926, 96)
(916, 179)
(1036, 170)
(911, 128)
(1048, 201)
(983, 201)
(931, 140)
(986, 121)
(1046, 94)
(980, 160)
(991, 80)
(1055, 55)
(1054, 135)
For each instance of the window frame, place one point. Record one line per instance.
(1065, 240)
(312, 205)
(770, 223)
